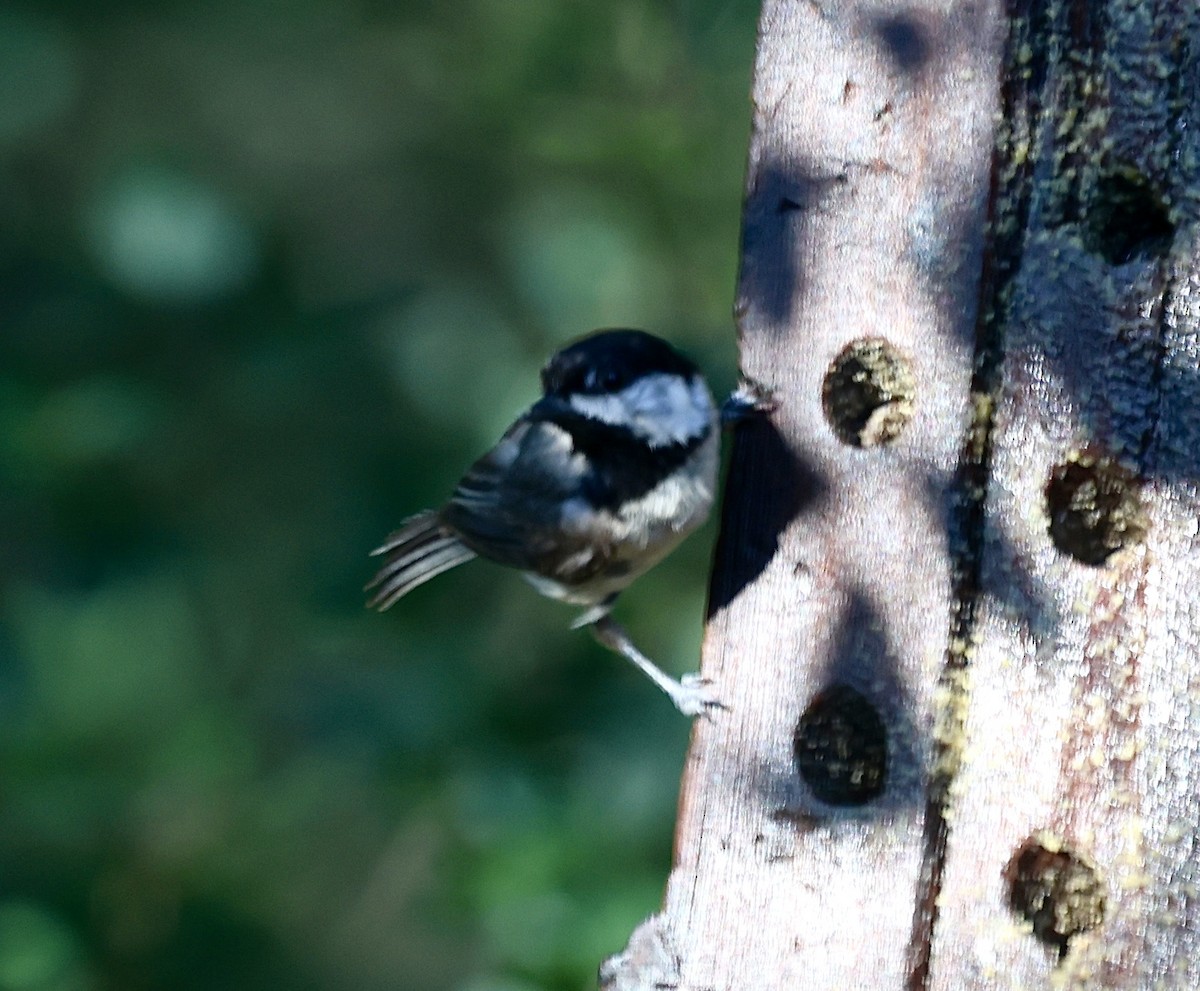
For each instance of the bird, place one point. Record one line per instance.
(590, 487)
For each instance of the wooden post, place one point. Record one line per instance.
(956, 604)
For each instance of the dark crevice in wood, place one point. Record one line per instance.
(1024, 72)
(1079, 93)
(937, 831)
(1157, 372)
(1168, 272)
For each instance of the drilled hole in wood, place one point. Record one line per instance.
(1128, 218)
(1056, 890)
(840, 747)
(1095, 507)
(868, 393)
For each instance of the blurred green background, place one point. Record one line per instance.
(271, 275)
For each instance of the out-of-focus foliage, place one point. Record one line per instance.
(271, 274)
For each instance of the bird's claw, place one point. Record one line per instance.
(694, 695)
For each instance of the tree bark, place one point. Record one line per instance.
(956, 599)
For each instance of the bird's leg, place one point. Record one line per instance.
(748, 400)
(593, 614)
(692, 695)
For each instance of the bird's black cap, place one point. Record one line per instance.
(608, 360)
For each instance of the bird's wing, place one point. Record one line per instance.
(509, 505)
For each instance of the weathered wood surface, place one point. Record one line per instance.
(1004, 588)
(1083, 715)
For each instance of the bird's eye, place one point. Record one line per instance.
(602, 380)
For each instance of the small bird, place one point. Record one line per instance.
(593, 485)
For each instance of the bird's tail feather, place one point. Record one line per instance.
(421, 549)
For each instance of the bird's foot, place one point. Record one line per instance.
(694, 695)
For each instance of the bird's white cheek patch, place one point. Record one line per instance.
(662, 409)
